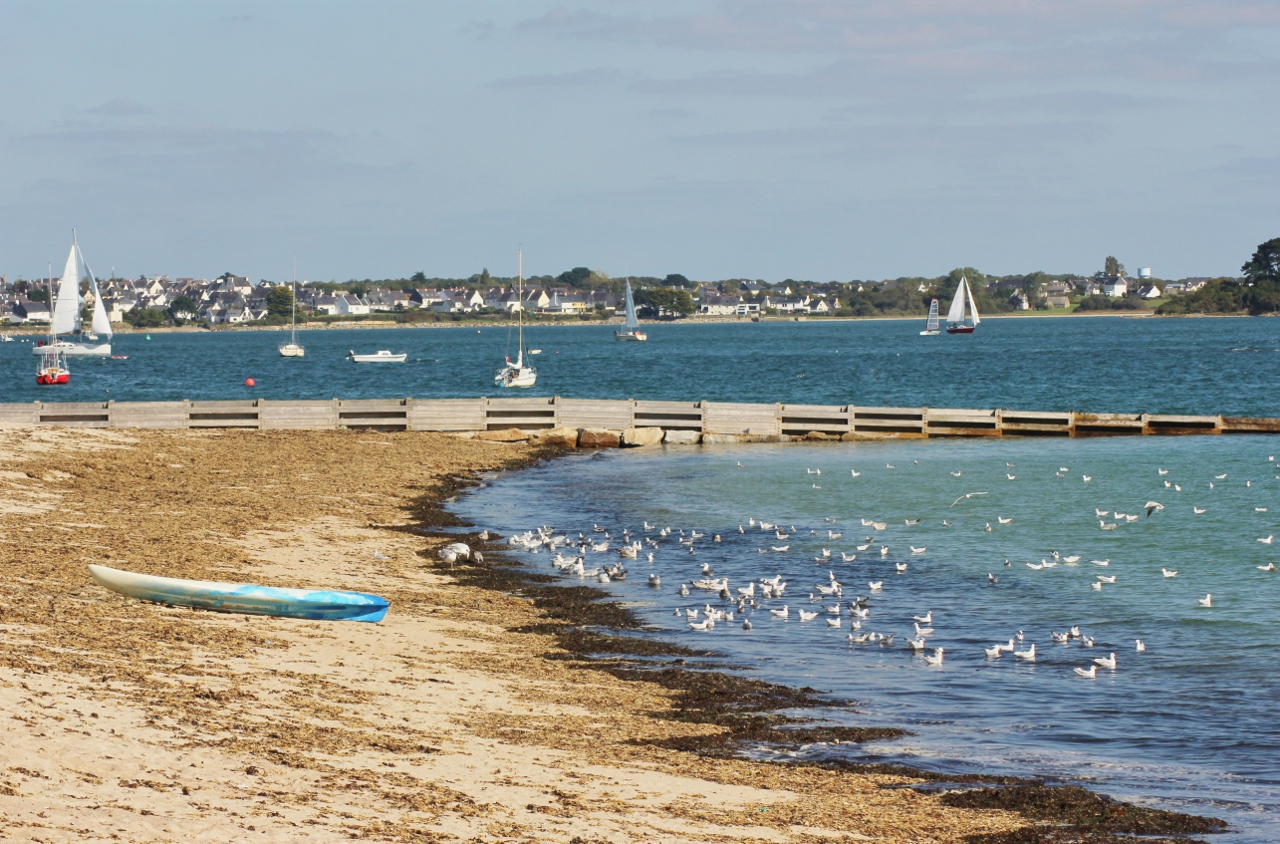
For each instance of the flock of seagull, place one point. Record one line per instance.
(602, 555)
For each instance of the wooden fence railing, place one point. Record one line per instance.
(722, 419)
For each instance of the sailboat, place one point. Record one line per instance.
(66, 311)
(517, 374)
(631, 328)
(292, 349)
(931, 325)
(957, 323)
(52, 368)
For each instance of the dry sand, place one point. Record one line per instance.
(136, 722)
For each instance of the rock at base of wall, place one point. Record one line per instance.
(509, 435)
(849, 437)
(818, 436)
(682, 438)
(721, 439)
(598, 438)
(558, 437)
(641, 436)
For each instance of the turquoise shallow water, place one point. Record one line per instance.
(1102, 364)
(1188, 724)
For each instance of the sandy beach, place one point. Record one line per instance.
(461, 717)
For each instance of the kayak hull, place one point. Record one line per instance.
(244, 598)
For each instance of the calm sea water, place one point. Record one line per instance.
(1188, 724)
(1102, 364)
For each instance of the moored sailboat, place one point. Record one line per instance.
(515, 373)
(292, 349)
(931, 324)
(631, 328)
(957, 320)
(52, 368)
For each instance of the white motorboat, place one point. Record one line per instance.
(931, 325)
(515, 373)
(631, 328)
(292, 349)
(380, 356)
(66, 312)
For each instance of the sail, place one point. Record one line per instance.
(632, 322)
(66, 307)
(956, 314)
(973, 306)
(101, 322)
(931, 324)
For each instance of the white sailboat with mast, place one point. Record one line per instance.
(52, 368)
(957, 320)
(631, 328)
(292, 349)
(65, 318)
(931, 324)
(516, 374)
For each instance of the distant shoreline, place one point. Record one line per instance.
(692, 320)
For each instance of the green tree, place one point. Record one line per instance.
(1033, 286)
(578, 277)
(676, 280)
(280, 301)
(1265, 263)
(1112, 267)
(664, 301)
(146, 318)
(183, 307)
(418, 278)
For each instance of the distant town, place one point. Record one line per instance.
(584, 294)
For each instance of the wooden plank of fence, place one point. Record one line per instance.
(877, 422)
(382, 414)
(669, 415)
(1036, 423)
(727, 418)
(148, 414)
(447, 415)
(80, 414)
(588, 413)
(957, 422)
(801, 419)
(524, 413)
(27, 413)
(277, 415)
(241, 413)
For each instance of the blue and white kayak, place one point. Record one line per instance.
(244, 597)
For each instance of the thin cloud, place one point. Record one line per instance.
(119, 107)
(572, 79)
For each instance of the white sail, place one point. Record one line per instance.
(973, 306)
(66, 306)
(956, 314)
(101, 322)
(632, 323)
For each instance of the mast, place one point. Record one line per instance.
(520, 313)
(293, 308)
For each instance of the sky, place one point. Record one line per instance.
(817, 139)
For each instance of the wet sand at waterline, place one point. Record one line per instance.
(137, 722)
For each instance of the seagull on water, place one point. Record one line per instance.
(1268, 567)
(782, 613)
(1087, 478)
(1168, 573)
(955, 474)
(1004, 521)
(927, 618)
(1139, 645)
(916, 644)
(936, 658)
(1096, 586)
(1199, 511)
(1162, 471)
(875, 585)
(993, 652)
(1106, 661)
(1266, 540)
(1011, 477)
(807, 616)
(1088, 673)
(1029, 654)
(915, 550)
(1105, 579)
(854, 472)
(1206, 601)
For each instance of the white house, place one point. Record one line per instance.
(350, 304)
(1149, 291)
(1116, 288)
(716, 305)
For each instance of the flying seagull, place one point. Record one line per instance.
(966, 495)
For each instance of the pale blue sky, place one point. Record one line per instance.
(823, 139)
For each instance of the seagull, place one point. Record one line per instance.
(1162, 471)
(993, 652)
(1221, 477)
(1206, 601)
(889, 466)
(1153, 506)
(1168, 573)
(746, 624)
(847, 558)
(704, 625)
(1074, 558)
(1255, 509)
(1029, 654)
(654, 580)
(1106, 661)
(875, 585)
(782, 613)
(922, 631)
(911, 521)
(955, 474)
(901, 567)
(915, 550)
(1004, 521)
(1267, 539)
(854, 472)
(1102, 578)
(916, 644)
(966, 495)
(988, 526)
(684, 591)
(813, 471)
(1090, 672)
(1087, 478)
(991, 578)
(1139, 645)
(1096, 586)
(1268, 567)
(1011, 477)
(936, 659)
(1199, 511)
(884, 550)
(1035, 566)
(807, 616)
(833, 622)
(1105, 562)
(1177, 487)
(859, 639)
(927, 618)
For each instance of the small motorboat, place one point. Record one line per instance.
(380, 356)
(246, 598)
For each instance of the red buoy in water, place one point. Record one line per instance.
(249, 382)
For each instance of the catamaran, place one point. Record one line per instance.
(957, 323)
(516, 374)
(631, 328)
(292, 349)
(931, 325)
(66, 311)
